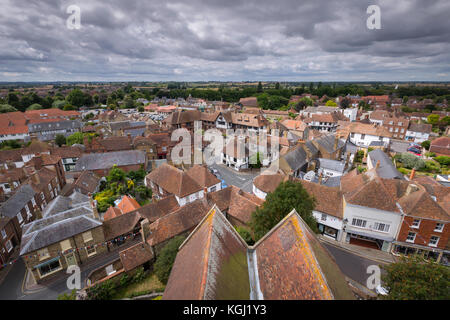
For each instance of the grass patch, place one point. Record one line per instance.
(148, 285)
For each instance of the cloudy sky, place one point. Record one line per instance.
(194, 40)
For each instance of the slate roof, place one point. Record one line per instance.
(95, 161)
(54, 125)
(67, 152)
(334, 165)
(328, 143)
(64, 203)
(57, 227)
(420, 127)
(173, 180)
(17, 201)
(295, 159)
(120, 225)
(386, 168)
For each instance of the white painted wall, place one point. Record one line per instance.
(330, 221)
(260, 194)
(365, 141)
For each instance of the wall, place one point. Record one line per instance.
(424, 232)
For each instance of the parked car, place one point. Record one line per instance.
(415, 151)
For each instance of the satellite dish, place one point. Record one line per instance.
(309, 175)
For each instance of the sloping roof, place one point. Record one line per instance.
(236, 202)
(158, 208)
(419, 204)
(295, 159)
(17, 201)
(135, 256)
(292, 264)
(288, 263)
(120, 225)
(332, 164)
(211, 263)
(67, 152)
(386, 168)
(268, 182)
(46, 231)
(128, 204)
(250, 101)
(87, 181)
(96, 161)
(328, 142)
(420, 127)
(177, 222)
(173, 180)
(202, 176)
(112, 212)
(328, 199)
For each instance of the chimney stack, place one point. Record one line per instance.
(94, 208)
(320, 178)
(377, 165)
(145, 230)
(336, 140)
(413, 173)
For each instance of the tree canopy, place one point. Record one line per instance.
(287, 196)
(166, 258)
(413, 278)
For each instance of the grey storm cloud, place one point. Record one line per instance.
(224, 40)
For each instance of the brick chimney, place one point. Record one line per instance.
(94, 208)
(377, 165)
(320, 178)
(145, 229)
(413, 173)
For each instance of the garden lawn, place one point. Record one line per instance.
(148, 285)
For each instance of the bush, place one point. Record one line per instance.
(140, 275)
(432, 166)
(124, 280)
(443, 160)
(166, 258)
(102, 291)
(245, 234)
(430, 154)
(68, 296)
(411, 161)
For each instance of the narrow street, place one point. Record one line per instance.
(242, 180)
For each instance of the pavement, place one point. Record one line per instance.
(240, 179)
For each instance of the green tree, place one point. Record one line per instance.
(12, 99)
(331, 103)
(7, 108)
(166, 258)
(60, 140)
(412, 278)
(59, 104)
(260, 88)
(433, 119)
(426, 144)
(77, 137)
(76, 98)
(34, 106)
(287, 196)
(116, 175)
(245, 234)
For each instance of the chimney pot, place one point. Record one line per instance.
(413, 173)
(377, 165)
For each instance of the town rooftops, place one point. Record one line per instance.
(369, 129)
(236, 202)
(202, 176)
(333, 165)
(97, 161)
(158, 208)
(177, 222)
(269, 182)
(249, 102)
(174, 180)
(17, 201)
(126, 204)
(87, 181)
(215, 263)
(328, 199)
(120, 225)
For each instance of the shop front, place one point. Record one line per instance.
(368, 240)
(328, 231)
(426, 252)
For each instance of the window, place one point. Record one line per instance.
(19, 217)
(381, 227)
(416, 223)
(87, 236)
(43, 254)
(8, 245)
(4, 234)
(439, 227)
(33, 202)
(411, 237)
(363, 136)
(400, 123)
(42, 196)
(391, 122)
(359, 223)
(323, 217)
(91, 251)
(49, 187)
(433, 241)
(49, 268)
(213, 189)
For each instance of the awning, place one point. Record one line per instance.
(389, 239)
(46, 262)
